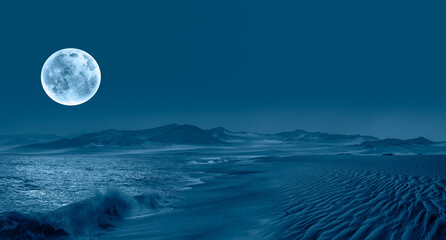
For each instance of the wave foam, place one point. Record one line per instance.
(89, 216)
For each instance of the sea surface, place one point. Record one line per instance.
(220, 193)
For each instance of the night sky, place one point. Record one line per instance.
(372, 67)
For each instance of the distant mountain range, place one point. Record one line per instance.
(392, 142)
(192, 135)
(172, 133)
(21, 139)
(317, 136)
(390, 146)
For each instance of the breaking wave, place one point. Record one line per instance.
(87, 217)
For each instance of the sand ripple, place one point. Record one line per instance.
(328, 202)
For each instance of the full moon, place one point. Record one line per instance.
(70, 76)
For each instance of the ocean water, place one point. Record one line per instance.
(219, 193)
(48, 182)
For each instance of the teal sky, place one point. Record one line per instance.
(375, 67)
